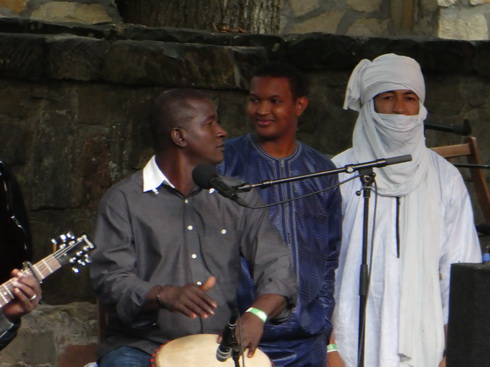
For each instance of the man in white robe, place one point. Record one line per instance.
(420, 222)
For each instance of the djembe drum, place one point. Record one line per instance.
(200, 350)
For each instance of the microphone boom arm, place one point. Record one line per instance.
(350, 168)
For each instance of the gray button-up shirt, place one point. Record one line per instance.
(148, 234)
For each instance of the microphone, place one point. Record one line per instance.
(464, 129)
(395, 160)
(205, 176)
(228, 339)
(350, 168)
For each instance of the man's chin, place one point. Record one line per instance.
(218, 160)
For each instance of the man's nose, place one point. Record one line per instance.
(264, 108)
(221, 132)
(399, 106)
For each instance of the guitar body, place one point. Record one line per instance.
(15, 235)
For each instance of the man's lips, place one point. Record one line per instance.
(263, 122)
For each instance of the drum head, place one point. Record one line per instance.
(200, 350)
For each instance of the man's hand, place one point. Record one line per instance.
(27, 294)
(334, 360)
(252, 329)
(190, 300)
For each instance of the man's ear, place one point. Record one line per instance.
(301, 104)
(178, 137)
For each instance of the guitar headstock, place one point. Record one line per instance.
(72, 250)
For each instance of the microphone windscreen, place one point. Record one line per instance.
(399, 159)
(202, 175)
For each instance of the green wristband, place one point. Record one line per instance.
(331, 348)
(259, 313)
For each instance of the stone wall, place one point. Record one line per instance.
(447, 19)
(73, 122)
(54, 336)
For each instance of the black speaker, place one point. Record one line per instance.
(468, 341)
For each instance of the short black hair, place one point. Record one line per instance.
(171, 109)
(276, 69)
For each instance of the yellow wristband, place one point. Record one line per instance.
(332, 348)
(259, 313)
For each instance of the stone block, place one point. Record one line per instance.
(35, 347)
(320, 50)
(446, 3)
(57, 131)
(445, 99)
(369, 27)
(428, 5)
(482, 59)
(72, 12)
(302, 7)
(448, 56)
(366, 6)
(22, 55)
(49, 332)
(76, 58)
(326, 22)
(373, 47)
(179, 65)
(479, 2)
(13, 140)
(468, 27)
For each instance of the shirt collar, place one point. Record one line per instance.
(153, 177)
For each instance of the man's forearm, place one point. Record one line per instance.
(271, 304)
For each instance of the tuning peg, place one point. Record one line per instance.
(75, 270)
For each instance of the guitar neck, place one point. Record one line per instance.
(42, 269)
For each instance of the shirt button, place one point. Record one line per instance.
(199, 283)
(190, 228)
(223, 231)
(186, 201)
(194, 256)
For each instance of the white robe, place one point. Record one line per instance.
(458, 243)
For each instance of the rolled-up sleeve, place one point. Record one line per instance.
(268, 255)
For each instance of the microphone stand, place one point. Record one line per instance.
(367, 178)
(350, 168)
(471, 165)
(235, 351)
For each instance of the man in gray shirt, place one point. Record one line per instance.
(167, 262)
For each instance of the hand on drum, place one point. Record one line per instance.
(190, 300)
(251, 331)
